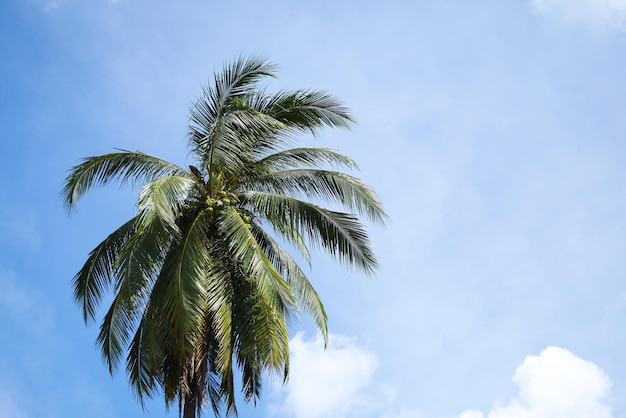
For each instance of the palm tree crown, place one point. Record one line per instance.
(202, 286)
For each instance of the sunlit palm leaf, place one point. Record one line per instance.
(165, 198)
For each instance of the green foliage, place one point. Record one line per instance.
(200, 287)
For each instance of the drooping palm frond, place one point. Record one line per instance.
(340, 234)
(302, 287)
(263, 341)
(145, 355)
(254, 262)
(136, 267)
(97, 274)
(124, 166)
(180, 289)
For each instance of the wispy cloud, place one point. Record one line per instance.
(48, 6)
(8, 408)
(601, 13)
(20, 225)
(23, 304)
(555, 384)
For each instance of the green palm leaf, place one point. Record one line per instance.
(124, 166)
(305, 109)
(309, 157)
(341, 234)
(246, 250)
(96, 275)
(330, 186)
(180, 288)
(302, 287)
(165, 199)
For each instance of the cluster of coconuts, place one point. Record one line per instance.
(216, 205)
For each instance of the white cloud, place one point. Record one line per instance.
(471, 414)
(602, 13)
(331, 383)
(555, 384)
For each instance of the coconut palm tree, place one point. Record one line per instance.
(202, 284)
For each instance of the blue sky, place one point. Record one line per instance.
(492, 130)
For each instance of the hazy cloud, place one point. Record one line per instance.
(555, 384)
(50, 6)
(8, 408)
(602, 13)
(22, 304)
(20, 225)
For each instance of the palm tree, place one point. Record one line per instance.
(202, 285)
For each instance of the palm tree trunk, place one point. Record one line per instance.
(189, 410)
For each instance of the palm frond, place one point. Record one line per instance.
(331, 186)
(255, 264)
(220, 291)
(289, 231)
(138, 263)
(180, 289)
(124, 166)
(166, 197)
(307, 157)
(262, 338)
(341, 234)
(240, 76)
(304, 109)
(308, 297)
(224, 97)
(96, 275)
(224, 145)
(145, 354)
(207, 379)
